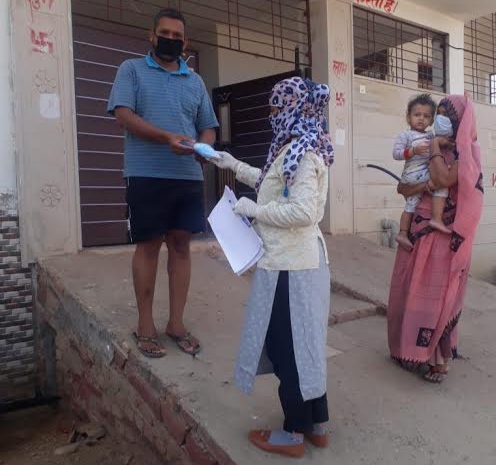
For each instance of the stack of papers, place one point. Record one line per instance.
(239, 241)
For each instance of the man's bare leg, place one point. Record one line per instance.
(179, 269)
(145, 262)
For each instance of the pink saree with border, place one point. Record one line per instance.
(428, 284)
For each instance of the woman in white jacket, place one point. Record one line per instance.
(286, 318)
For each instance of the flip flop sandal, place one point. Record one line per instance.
(159, 352)
(435, 377)
(188, 339)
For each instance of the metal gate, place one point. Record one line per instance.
(268, 28)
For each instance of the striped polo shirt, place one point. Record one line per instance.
(176, 101)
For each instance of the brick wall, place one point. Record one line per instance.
(102, 380)
(16, 317)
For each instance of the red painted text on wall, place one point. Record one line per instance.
(340, 99)
(388, 6)
(41, 41)
(340, 68)
(38, 4)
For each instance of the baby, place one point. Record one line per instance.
(414, 146)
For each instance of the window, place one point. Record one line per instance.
(374, 65)
(396, 51)
(480, 59)
(425, 76)
(492, 80)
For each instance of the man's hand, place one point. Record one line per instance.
(179, 144)
(130, 121)
(201, 160)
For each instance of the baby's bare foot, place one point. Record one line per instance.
(438, 226)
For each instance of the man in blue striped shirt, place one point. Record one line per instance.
(164, 107)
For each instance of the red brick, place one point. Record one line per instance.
(87, 390)
(146, 394)
(197, 451)
(139, 405)
(75, 378)
(161, 445)
(220, 454)
(139, 422)
(176, 454)
(150, 434)
(120, 357)
(131, 425)
(73, 361)
(93, 408)
(106, 416)
(83, 353)
(78, 409)
(117, 411)
(191, 422)
(125, 431)
(173, 420)
(136, 366)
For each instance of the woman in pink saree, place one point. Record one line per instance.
(428, 284)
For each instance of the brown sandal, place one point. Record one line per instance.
(194, 346)
(435, 376)
(159, 352)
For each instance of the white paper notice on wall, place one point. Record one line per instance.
(49, 106)
(340, 139)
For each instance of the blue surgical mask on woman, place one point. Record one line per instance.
(443, 126)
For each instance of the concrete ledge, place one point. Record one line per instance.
(103, 380)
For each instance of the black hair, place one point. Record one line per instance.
(422, 99)
(170, 13)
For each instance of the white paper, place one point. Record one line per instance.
(340, 137)
(49, 106)
(239, 241)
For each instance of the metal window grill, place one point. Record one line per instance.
(480, 58)
(399, 52)
(276, 29)
(493, 89)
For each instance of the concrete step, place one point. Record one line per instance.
(345, 307)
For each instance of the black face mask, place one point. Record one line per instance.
(168, 49)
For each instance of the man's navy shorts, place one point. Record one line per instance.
(157, 206)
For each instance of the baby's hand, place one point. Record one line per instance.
(423, 149)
